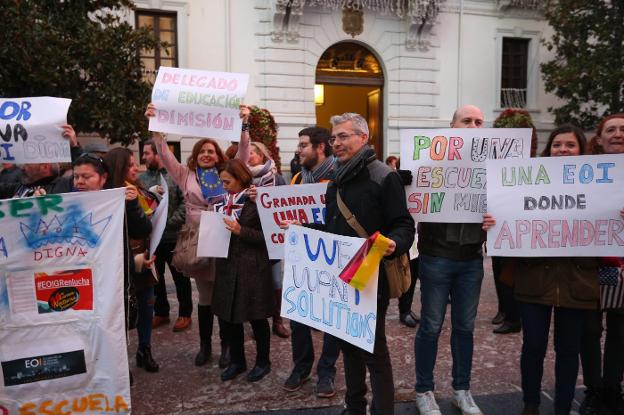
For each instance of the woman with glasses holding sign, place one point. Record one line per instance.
(564, 286)
(201, 186)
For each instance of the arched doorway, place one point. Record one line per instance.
(349, 78)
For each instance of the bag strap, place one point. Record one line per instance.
(350, 217)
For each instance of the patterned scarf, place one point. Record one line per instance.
(232, 204)
(264, 174)
(316, 175)
(209, 182)
(350, 168)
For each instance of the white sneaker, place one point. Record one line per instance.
(426, 404)
(463, 401)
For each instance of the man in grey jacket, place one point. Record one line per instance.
(175, 220)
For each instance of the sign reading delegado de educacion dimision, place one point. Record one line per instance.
(198, 103)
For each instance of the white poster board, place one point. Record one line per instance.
(557, 206)
(313, 294)
(214, 238)
(30, 130)
(448, 167)
(62, 331)
(302, 202)
(159, 218)
(198, 103)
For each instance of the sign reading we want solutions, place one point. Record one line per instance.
(556, 206)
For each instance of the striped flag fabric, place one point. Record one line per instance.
(365, 262)
(611, 287)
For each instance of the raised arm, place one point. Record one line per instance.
(243, 146)
(178, 171)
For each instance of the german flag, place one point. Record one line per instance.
(365, 262)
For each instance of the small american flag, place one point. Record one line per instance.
(611, 287)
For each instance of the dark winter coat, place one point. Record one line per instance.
(570, 282)
(374, 194)
(243, 286)
(176, 214)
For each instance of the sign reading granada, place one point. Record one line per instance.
(304, 203)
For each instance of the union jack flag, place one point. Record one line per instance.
(611, 287)
(231, 205)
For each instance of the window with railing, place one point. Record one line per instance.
(514, 68)
(164, 25)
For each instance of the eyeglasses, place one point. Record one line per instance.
(301, 146)
(89, 156)
(341, 137)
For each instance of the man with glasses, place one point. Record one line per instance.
(317, 164)
(451, 265)
(374, 194)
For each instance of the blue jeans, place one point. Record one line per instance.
(441, 278)
(145, 302)
(535, 329)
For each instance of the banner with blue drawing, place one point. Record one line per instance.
(62, 331)
(30, 129)
(556, 206)
(314, 295)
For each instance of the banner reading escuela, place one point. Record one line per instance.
(556, 206)
(313, 294)
(198, 103)
(448, 167)
(62, 331)
(302, 202)
(31, 132)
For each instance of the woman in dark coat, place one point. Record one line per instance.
(140, 204)
(563, 287)
(243, 286)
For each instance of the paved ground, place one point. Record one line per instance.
(182, 388)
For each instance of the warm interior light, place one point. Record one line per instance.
(319, 94)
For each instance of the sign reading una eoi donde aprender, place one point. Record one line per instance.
(314, 294)
(302, 202)
(448, 167)
(556, 206)
(30, 130)
(198, 103)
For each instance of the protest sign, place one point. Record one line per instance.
(159, 218)
(302, 202)
(313, 294)
(62, 332)
(556, 206)
(198, 103)
(448, 167)
(31, 132)
(214, 238)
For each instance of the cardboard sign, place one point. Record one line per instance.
(557, 206)
(448, 167)
(313, 293)
(62, 331)
(30, 130)
(198, 103)
(302, 202)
